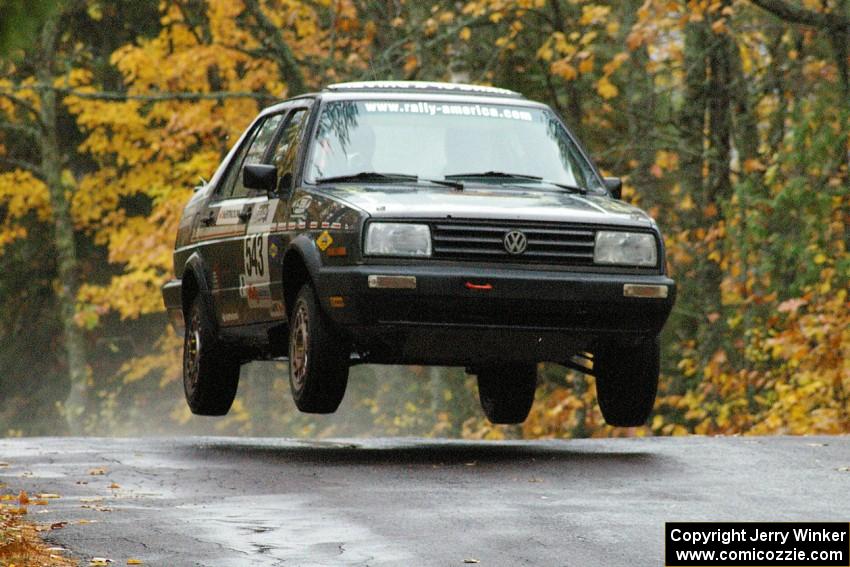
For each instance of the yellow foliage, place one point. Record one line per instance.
(21, 194)
(606, 88)
(594, 14)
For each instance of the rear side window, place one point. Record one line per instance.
(252, 151)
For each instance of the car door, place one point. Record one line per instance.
(220, 232)
(266, 237)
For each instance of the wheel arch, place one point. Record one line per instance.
(301, 263)
(194, 282)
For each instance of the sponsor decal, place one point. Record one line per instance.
(229, 317)
(276, 309)
(263, 217)
(301, 205)
(228, 215)
(273, 250)
(314, 224)
(324, 241)
(450, 109)
(260, 214)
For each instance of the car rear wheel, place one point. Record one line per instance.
(627, 382)
(210, 370)
(318, 357)
(506, 392)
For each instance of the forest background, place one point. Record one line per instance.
(728, 119)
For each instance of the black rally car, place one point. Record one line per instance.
(417, 223)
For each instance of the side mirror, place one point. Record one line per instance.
(260, 177)
(615, 186)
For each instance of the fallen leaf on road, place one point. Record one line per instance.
(97, 472)
(48, 495)
(3, 465)
(23, 499)
(843, 469)
(114, 485)
(471, 561)
(99, 562)
(41, 502)
(97, 508)
(134, 562)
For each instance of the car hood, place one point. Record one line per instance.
(502, 203)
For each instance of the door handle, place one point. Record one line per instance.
(245, 215)
(209, 219)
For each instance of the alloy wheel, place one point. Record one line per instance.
(299, 352)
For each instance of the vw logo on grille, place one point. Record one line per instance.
(515, 242)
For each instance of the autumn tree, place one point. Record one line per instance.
(727, 119)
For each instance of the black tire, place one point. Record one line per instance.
(627, 382)
(318, 357)
(210, 370)
(506, 392)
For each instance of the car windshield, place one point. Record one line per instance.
(495, 143)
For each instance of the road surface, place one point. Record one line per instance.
(266, 502)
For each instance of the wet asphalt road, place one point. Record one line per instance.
(263, 502)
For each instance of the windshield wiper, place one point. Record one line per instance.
(520, 177)
(570, 188)
(494, 174)
(368, 176)
(388, 177)
(457, 185)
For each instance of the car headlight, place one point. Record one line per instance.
(625, 248)
(398, 239)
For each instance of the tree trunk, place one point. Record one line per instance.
(718, 187)
(66, 250)
(692, 118)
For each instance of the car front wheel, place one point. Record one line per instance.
(506, 392)
(210, 371)
(627, 381)
(318, 357)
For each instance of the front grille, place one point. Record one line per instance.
(485, 242)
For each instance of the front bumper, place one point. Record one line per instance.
(460, 312)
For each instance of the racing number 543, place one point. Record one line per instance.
(255, 263)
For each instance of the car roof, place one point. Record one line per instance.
(422, 90)
(422, 87)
